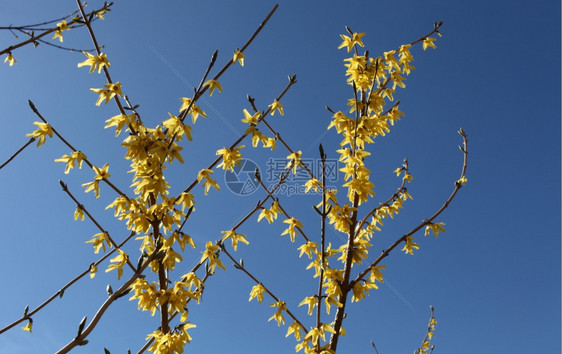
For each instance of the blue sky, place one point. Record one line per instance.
(493, 277)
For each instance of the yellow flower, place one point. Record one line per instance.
(360, 186)
(213, 84)
(328, 301)
(376, 274)
(276, 105)
(118, 263)
(230, 158)
(96, 62)
(250, 119)
(257, 292)
(311, 301)
(102, 173)
(238, 57)
(210, 254)
(313, 183)
(186, 200)
(294, 161)
(349, 42)
(235, 238)
(208, 181)
(294, 328)
(70, 160)
(28, 326)
(108, 93)
(271, 142)
(100, 14)
(291, 229)
(119, 122)
(309, 248)
(99, 241)
(61, 26)
(428, 42)
(10, 59)
(177, 128)
(268, 214)
(44, 130)
(462, 181)
(93, 270)
(171, 342)
(79, 213)
(410, 245)
(146, 294)
(278, 316)
(195, 110)
(435, 228)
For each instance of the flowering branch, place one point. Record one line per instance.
(75, 150)
(80, 339)
(240, 266)
(83, 209)
(37, 38)
(60, 292)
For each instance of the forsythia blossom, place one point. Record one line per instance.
(238, 57)
(96, 62)
(435, 228)
(349, 42)
(276, 105)
(108, 92)
(230, 158)
(44, 130)
(208, 182)
(10, 59)
(257, 292)
(213, 84)
(61, 26)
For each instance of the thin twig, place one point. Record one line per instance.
(75, 150)
(60, 292)
(426, 222)
(17, 152)
(243, 269)
(41, 35)
(81, 206)
(79, 339)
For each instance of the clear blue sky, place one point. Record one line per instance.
(493, 277)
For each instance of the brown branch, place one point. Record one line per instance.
(270, 194)
(393, 197)
(79, 339)
(237, 265)
(202, 89)
(81, 206)
(75, 150)
(323, 244)
(292, 81)
(430, 328)
(60, 292)
(43, 34)
(426, 222)
(88, 24)
(17, 152)
(345, 285)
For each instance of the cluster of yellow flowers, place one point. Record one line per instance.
(157, 218)
(374, 81)
(152, 213)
